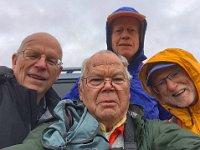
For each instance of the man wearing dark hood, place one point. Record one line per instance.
(125, 31)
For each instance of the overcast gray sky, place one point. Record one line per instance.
(79, 25)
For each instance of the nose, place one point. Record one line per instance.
(125, 34)
(108, 84)
(171, 85)
(41, 62)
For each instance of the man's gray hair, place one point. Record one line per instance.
(122, 59)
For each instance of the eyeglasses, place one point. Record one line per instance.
(33, 55)
(98, 82)
(173, 76)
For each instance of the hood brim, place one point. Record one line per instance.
(112, 17)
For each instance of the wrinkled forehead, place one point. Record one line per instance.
(105, 62)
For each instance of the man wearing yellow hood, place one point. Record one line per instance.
(173, 77)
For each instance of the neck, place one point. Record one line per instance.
(106, 127)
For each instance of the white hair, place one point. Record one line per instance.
(121, 58)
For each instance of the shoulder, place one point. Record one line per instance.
(4, 69)
(167, 135)
(5, 74)
(32, 140)
(135, 110)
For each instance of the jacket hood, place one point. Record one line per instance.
(131, 12)
(187, 61)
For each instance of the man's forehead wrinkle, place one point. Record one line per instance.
(104, 62)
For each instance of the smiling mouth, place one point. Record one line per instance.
(37, 77)
(179, 93)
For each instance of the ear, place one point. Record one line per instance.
(14, 60)
(58, 73)
(80, 90)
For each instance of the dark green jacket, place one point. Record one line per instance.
(149, 135)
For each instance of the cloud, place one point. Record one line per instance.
(80, 25)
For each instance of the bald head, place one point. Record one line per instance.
(42, 38)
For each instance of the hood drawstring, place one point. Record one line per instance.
(191, 115)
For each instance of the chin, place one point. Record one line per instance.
(36, 88)
(182, 105)
(126, 55)
(107, 113)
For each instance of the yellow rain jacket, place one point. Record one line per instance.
(189, 117)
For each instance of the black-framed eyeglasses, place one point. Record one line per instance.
(117, 82)
(33, 55)
(162, 83)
